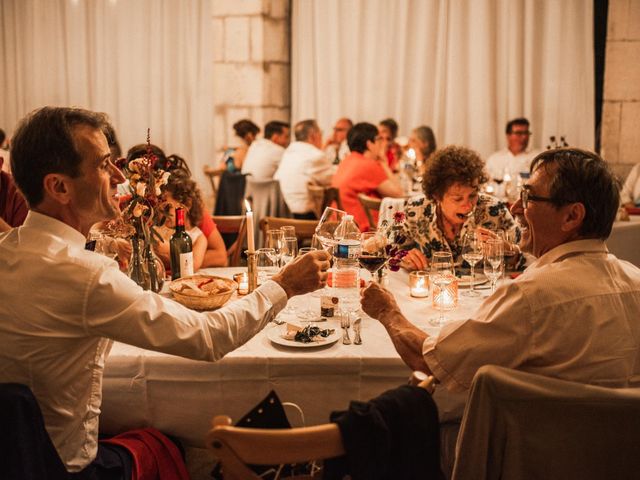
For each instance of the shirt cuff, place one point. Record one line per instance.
(275, 294)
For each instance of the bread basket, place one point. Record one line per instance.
(203, 292)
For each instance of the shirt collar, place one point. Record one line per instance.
(56, 228)
(571, 248)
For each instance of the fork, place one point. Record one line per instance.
(344, 323)
(356, 329)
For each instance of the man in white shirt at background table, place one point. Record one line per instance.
(264, 154)
(63, 306)
(514, 159)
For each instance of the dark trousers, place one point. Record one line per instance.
(112, 462)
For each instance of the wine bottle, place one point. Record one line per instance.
(181, 249)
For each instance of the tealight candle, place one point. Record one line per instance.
(419, 283)
(242, 279)
(445, 298)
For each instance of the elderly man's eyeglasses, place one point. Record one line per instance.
(526, 197)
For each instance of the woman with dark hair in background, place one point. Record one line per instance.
(233, 157)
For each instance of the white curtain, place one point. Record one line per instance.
(463, 67)
(146, 63)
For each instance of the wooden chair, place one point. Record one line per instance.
(213, 174)
(232, 224)
(322, 197)
(305, 229)
(237, 447)
(370, 204)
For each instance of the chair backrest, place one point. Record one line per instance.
(232, 224)
(521, 425)
(213, 174)
(266, 201)
(237, 447)
(370, 204)
(322, 197)
(305, 229)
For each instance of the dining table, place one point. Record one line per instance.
(624, 240)
(180, 396)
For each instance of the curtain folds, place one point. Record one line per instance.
(463, 67)
(146, 63)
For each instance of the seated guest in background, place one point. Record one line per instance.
(216, 253)
(364, 170)
(303, 162)
(182, 191)
(336, 146)
(264, 154)
(13, 206)
(573, 314)
(630, 196)
(388, 131)
(453, 206)
(423, 142)
(62, 163)
(246, 131)
(514, 159)
(5, 156)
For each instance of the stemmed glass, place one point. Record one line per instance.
(442, 275)
(493, 260)
(511, 250)
(308, 313)
(331, 218)
(266, 263)
(275, 240)
(472, 253)
(289, 251)
(289, 231)
(373, 254)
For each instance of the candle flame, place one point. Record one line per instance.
(247, 205)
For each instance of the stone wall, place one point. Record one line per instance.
(621, 109)
(251, 64)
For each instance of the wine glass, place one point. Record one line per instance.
(441, 276)
(493, 260)
(373, 254)
(289, 251)
(472, 253)
(289, 231)
(266, 264)
(331, 218)
(309, 313)
(510, 245)
(275, 240)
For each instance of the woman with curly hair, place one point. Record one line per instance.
(453, 206)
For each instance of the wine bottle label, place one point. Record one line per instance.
(186, 264)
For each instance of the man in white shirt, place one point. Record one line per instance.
(303, 162)
(514, 159)
(264, 154)
(63, 306)
(573, 314)
(336, 147)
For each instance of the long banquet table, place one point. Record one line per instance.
(180, 396)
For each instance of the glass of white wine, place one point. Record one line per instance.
(472, 253)
(441, 276)
(331, 218)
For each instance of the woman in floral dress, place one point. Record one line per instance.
(452, 207)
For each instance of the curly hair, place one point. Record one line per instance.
(450, 165)
(184, 190)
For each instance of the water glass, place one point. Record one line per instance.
(472, 253)
(267, 264)
(275, 240)
(442, 278)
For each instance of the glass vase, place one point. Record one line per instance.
(145, 268)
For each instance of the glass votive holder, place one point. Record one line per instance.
(242, 279)
(419, 283)
(445, 297)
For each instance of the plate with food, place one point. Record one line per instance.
(465, 280)
(291, 335)
(203, 292)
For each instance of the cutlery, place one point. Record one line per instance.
(356, 328)
(344, 323)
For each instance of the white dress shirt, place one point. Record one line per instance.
(339, 152)
(631, 189)
(302, 163)
(62, 306)
(503, 161)
(573, 314)
(262, 160)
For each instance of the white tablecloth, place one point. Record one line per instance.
(624, 241)
(180, 396)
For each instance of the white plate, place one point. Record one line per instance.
(275, 335)
(465, 280)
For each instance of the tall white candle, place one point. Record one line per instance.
(250, 238)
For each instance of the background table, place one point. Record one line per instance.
(180, 396)
(624, 241)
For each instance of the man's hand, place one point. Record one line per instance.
(305, 274)
(378, 303)
(414, 260)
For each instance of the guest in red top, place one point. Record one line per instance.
(13, 206)
(366, 171)
(388, 131)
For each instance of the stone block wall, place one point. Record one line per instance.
(251, 64)
(621, 108)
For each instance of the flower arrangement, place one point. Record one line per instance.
(393, 230)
